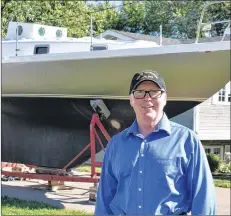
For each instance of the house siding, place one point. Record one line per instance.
(213, 121)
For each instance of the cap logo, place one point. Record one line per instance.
(147, 74)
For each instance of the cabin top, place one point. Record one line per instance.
(30, 32)
(34, 31)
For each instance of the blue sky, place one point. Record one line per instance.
(116, 2)
(112, 2)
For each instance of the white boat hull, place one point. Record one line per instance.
(46, 108)
(193, 72)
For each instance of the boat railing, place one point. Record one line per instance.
(208, 26)
(227, 31)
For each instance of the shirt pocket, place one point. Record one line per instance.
(168, 170)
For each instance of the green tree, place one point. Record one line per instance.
(158, 13)
(180, 18)
(132, 16)
(105, 16)
(74, 15)
(214, 161)
(186, 17)
(218, 12)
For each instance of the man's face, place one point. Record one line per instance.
(148, 109)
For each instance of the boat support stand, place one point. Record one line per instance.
(22, 171)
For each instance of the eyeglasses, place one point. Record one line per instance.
(140, 94)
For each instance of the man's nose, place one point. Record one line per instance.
(147, 97)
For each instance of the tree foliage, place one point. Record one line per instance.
(74, 15)
(179, 19)
(105, 16)
(214, 161)
(132, 17)
(219, 12)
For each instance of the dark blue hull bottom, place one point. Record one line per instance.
(49, 132)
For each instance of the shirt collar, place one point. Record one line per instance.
(164, 124)
(133, 128)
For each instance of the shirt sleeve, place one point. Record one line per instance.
(200, 182)
(107, 184)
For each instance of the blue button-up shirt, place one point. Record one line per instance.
(166, 172)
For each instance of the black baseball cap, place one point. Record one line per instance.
(147, 75)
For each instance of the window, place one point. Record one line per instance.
(227, 148)
(110, 37)
(222, 96)
(99, 47)
(214, 150)
(217, 151)
(41, 31)
(59, 33)
(207, 150)
(41, 49)
(20, 30)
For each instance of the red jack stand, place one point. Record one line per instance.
(94, 121)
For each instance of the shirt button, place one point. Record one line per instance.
(140, 206)
(141, 171)
(139, 189)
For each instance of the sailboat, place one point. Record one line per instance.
(48, 99)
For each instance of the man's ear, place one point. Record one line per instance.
(165, 98)
(131, 100)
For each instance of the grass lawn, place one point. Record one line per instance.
(218, 181)
(13, 206)
(222, 183)
(87, 168)
(222, 180)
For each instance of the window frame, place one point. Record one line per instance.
(212, 149)
(110, 37)
(226, 95)
(99, 45)
(41, 46)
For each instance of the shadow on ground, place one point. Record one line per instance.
(25, 193)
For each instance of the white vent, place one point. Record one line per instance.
(34, 31)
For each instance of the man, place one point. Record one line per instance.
(155, 166)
